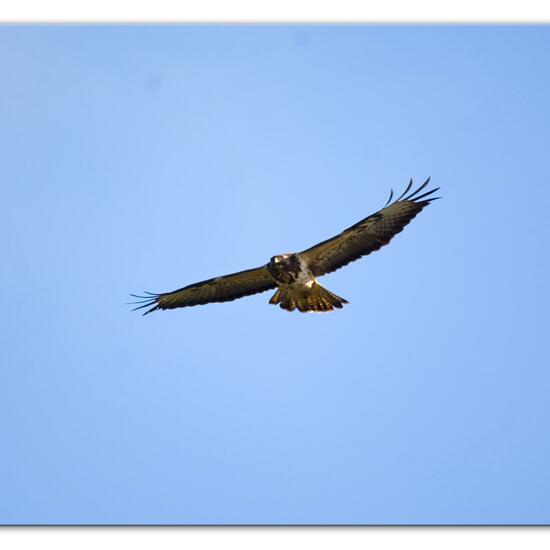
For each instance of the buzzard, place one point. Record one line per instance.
(295, 275)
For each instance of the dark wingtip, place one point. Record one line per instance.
(426, 194)
(147, 304)
(150, 295)
(406, 190)
(414, 196)
(391, 196)
(145, 301)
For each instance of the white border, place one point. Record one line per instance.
(283, 11)
(275, 538)
(315, 11)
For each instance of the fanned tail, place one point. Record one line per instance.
(317, 298)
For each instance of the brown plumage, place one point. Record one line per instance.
(316, 298)
(295, 274)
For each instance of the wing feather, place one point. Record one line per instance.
(368, 235)
(218, 289)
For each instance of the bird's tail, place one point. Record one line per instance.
(317, 298)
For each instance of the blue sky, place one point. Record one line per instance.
(147, 158)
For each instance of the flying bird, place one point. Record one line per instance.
(294, 275)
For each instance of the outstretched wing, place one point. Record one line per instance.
(369, 234)
(219, 289)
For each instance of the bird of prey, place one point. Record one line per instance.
(295, 275)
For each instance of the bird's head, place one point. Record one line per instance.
(279, 259)
(283, 262)
(279, 263)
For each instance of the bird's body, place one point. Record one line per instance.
(295, 275)
(290, 269)
(298, 288)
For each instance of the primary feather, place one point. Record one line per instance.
(368, 235)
